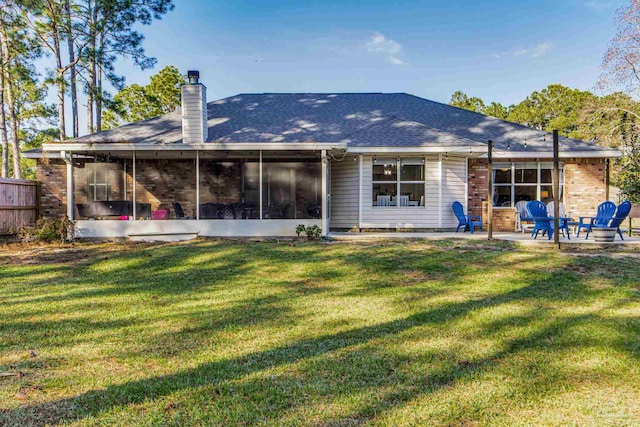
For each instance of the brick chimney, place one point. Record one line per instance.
(194, 110)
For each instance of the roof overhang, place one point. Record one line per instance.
(600, 154)
(468, 151)
(209, 146)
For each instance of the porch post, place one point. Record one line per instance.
(197, 185)
(135, 211)
(440, 168)
(325, 164)
(490, 190)
(260, 183)
(68, 158)
(556, 189)
(360, 171)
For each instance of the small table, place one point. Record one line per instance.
(563, 224)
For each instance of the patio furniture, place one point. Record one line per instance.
(604, 213)
(466, 221)
(621, 213)
(384, 200)
(522, 216)
(160, 214)
(541, 220)
(561, 209)
(177, 208)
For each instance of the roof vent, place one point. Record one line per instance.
(193, 76)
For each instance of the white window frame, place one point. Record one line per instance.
(93, 184)
(538, 184)
(398, 181)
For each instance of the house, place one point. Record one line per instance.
(260, 164)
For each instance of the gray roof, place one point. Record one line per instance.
(360, 119)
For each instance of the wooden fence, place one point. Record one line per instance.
(19, 203)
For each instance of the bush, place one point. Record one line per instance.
(47, 230)
(313, 232)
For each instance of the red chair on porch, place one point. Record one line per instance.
(160, 214)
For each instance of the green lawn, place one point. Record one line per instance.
(327, 334)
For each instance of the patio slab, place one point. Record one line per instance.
(519, 238)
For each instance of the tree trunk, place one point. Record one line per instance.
(99, 84)
(55, 33)
(11, 106)
(91, 81)
(72, 77)
(3, 130)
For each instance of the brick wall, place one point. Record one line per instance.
(584, 187)
(584, 190)
(52, 175)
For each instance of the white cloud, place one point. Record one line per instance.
(532, 51)
(540, 49)
(598, 5)
(380, 44)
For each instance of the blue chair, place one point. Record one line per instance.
(541, 221)
(466, 221)
(621, 213)
(603, 215)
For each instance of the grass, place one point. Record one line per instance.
(266, 333)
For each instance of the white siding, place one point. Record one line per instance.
(194, 113)
(454, 187)
(344, 193)
(402, 217)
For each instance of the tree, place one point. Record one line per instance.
(134, 103)
(621, 61)
(497, 110)
(111, 35)
(554, 107)
(461, 100)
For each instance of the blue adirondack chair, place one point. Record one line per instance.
(603, 215)
(621, 214)
(541, 221)
(465, 221)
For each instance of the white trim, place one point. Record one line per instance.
(466, 185)
(360, 178)
(198, 185)
(325, 196)
(549, 154)
(260, 182)
(459, 149)
(135, 212)
(68, 158)
(208, 146)
(440, 169)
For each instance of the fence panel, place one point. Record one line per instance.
(19, 203)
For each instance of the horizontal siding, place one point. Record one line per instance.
(344, 194)
(454, 185)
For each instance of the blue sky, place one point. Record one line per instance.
(497, 50)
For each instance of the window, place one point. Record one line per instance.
(398, 182)
(97, 181)
(513, 182)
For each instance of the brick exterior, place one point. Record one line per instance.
(584, 190)
(52, 175)
(504, 219)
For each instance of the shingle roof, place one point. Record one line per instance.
(360, 119)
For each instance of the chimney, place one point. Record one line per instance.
(194, 110)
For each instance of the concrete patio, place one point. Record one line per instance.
(519, 238)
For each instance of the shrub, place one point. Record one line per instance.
(313, 232)
(47, 230)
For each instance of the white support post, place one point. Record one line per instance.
(197, 185)
(325, 196)
(360, 172)
(440, 169)
(260, 183)
(466, 184)
(135, 211)
(68, 158)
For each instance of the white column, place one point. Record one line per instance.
(360, 172)
(325, 165)
(260, 183)
(68, 158)
(135, 211)
(439, 190)
(198, 185)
